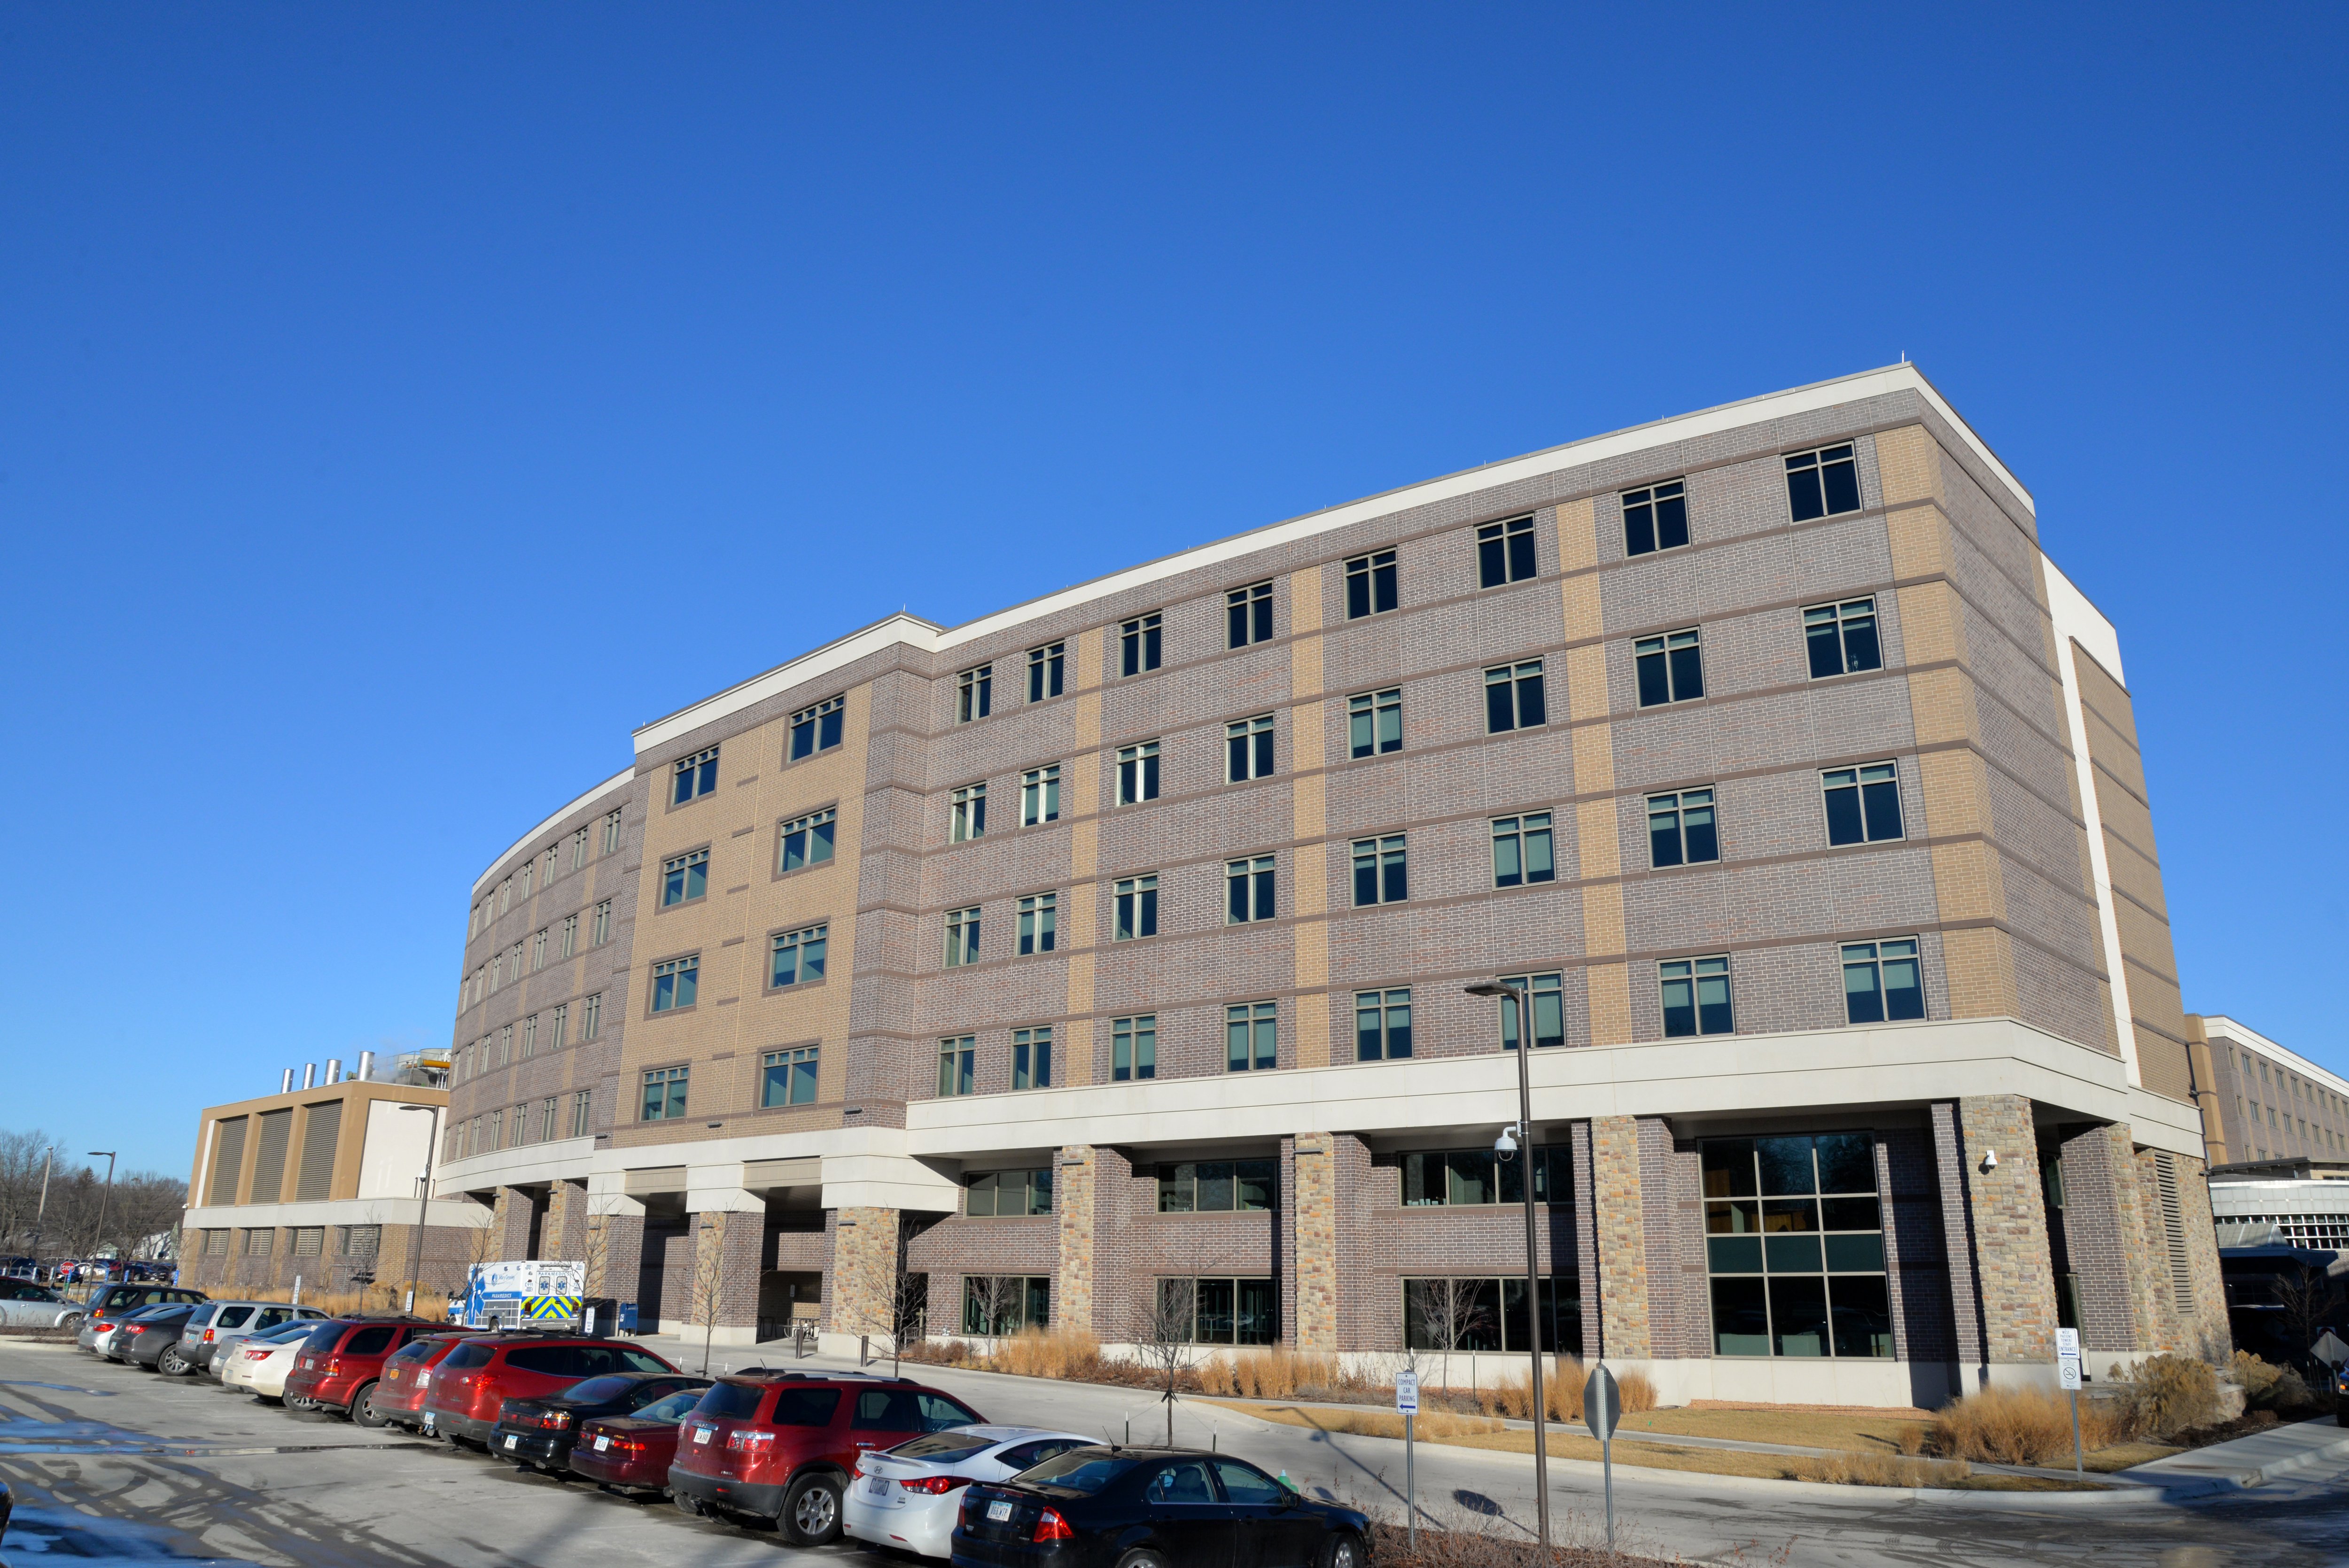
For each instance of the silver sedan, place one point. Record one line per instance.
(28, 1306)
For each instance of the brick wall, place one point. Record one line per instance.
(2015, 1276)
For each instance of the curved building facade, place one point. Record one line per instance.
(1101, 961)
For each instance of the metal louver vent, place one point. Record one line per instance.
(269, 1160)
(315, 1182)
(228, 1161)
(2173, 1227)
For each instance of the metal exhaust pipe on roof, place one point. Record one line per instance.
(333, 1069)
(286, 1084)
(367, 1065)
(309, 1075)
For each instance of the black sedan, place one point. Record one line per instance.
(141, 1340)
(1153, 1508)
(541, 1431)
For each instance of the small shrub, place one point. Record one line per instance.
(2258, 1378)
(1561, 1393)
(1635, 1392)
(1849, 1468)
(1059, 1353)
(2168, 1394)
(2015, 1426)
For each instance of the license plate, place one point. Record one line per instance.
(513, 1442)
(428, 1424)
(702, 1434)
(309, 1363)
(999, 1513)
(602, 1443)
(877, 1486)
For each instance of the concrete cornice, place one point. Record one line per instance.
(616, 783)
(340, 1211)
(2217, 1026)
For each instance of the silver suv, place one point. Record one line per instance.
(216, 1325)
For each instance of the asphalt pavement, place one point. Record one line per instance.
(116, 1464)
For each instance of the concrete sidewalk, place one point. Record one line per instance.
(2280, 1452)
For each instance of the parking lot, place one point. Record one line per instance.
(110, 1462)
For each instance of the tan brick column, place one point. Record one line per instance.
(1073, 1202)
(2015, 1274)
(2137, 1218)
(1597, 841)
(1317, 1242)
(863, 1270)
(1617, 1216)
(1081, 804)
(1309, 824)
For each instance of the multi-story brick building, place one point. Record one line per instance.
(2260, 1101)
(1121, 938)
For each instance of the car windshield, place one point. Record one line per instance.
(414, 1350)
(731, 1401)
(945, 1448)
(285, 1334)
(323, 1336)
(598, 1391)
(1086, 1470)
(676, 1407)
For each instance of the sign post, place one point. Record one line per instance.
(2067, 1377)
(1602, 1404)
(1407, 1402)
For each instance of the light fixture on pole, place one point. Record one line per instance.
(1504, 1148)
(423, 1202)
(98, 1240)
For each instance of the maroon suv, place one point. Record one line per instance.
(782, 1445)
(474, 1380)
(338, 1366)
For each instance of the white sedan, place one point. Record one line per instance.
(259, 1365)
(908, 1496)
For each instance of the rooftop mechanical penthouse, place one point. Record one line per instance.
(1118, 939)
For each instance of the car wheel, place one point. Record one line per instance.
(689, 1505)
(1141, 1560)
(1342, 1552)
(70, 1323)
(174, 1364)
(363, 1412)
(812, 1511)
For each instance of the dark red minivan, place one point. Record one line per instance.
(339, 1364)
(782, 1445)
(464, 1393)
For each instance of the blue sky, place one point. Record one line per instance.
(397, 405)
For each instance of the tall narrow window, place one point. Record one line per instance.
(1380, 874)
(805, 840)
(546, 1120)
(1882, 981)
(962, 936)
(1137, 773)
(798, 956)
(599, 928)
(530, 1037)
(1504, 552)
(1371, 587)
(685, 877)
(1247, 748)
(693, 777)
(817, 728)
(1134, 909)
(1039, 796)
(1655, 519)
(1031, 1058)
(1522, 850)
(959, 1065)
(1863, 803)
(578, 848)
(665, 1094)
(1133, 1047)
(1381, 1025)
(1248, 612)
(581, 1104)
(1842, 637)
(570, 935)
(973, 694)
(1822, 483)
(538, 951)
(591, 1016)
(610, 832)
(527, 868)
(560, 1028)
(969, 819)
(1252, 1036)
(788, 1078)
(1680, 828)
(1045, 667)
(675, 984)
(1696, 997)
(1138, 645)
(1039, 917)
(1247, 890)
(1513, 697)
(1545, 998)
(1374, 721)
(1670, 667)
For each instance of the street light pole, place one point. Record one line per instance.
(1516, 999)
(41, 1219)
(423, 1202)
(99, 1239)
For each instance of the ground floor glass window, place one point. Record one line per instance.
(1223, 1311)
(1487, 1314)
(1795, 1246)
(1005, 1304)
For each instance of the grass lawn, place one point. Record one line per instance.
(1796, 1429)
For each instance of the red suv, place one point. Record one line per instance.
(338, 1366)
(782, 1445)
(466, 1389)
(399, 1395)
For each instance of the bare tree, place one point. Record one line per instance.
(1168, 1340)
(894, 1303)
(709, 1282)
(1448, 1312)
(996, 1300)
(2307, 1299)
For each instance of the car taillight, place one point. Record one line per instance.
(1051, 1526)
(934, 1485)
(208, 1336)
(334, 1366)
(422, 1379)
(749, 1438)
(555, 1420)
